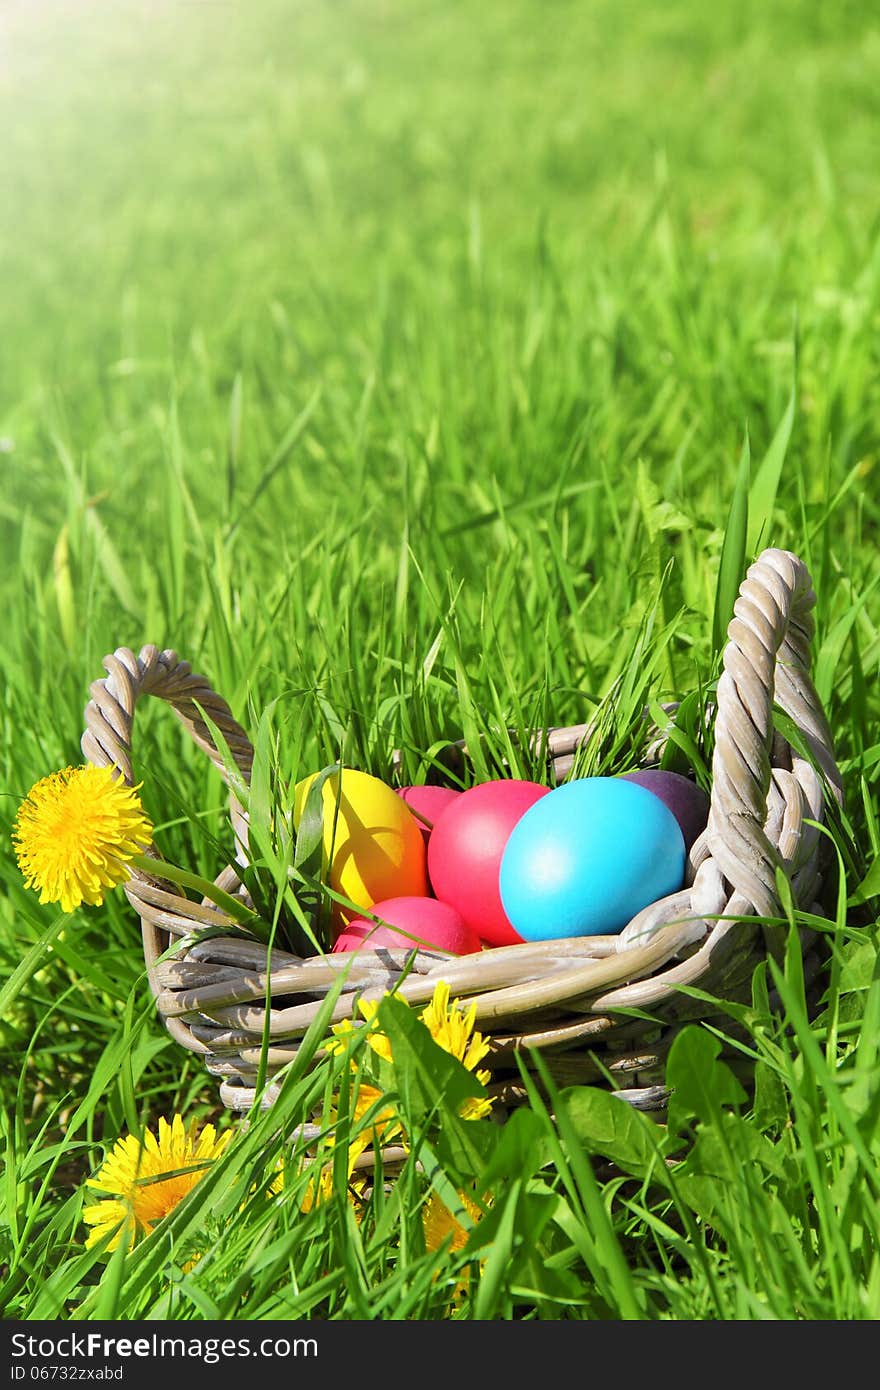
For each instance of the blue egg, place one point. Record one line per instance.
(587, 857)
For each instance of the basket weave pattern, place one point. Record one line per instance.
(562, 996)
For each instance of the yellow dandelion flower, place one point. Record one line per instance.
(318, 1191)
(452, 1028)
(144, 1181)
(76, 832)
(323, 1190)
(276, 1186)
(441, 1225)
(477, 1107)
(384, 1127)
(343, 1032)
(385, 1124)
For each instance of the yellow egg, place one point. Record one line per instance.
(373, 846)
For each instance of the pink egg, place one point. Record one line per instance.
(423, 923)
(465, 849)
(427, 803)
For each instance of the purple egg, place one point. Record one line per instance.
(687, 802)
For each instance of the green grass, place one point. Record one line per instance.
(394, 364)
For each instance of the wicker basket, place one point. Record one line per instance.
(573, 998)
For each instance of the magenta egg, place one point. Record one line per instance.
(465, 850)
(687, 802)
(427, 804)
(409, 924)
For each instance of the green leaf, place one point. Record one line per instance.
(709, 1178)
(771, 1104)
(658, 513)
(65, 600)
(501, 1251)
(233, 775)
(236, 909)
(433, 1087)
(861, 967)
(828, 657)
(701, 1084)
(115, 570)
(686, 733)
(58, 1286)
(233, 439)
(260, 802)
(677, 738)
(30, 963)
(522, 1147)
(309, 853)
(869, 886)
(731, 568)
(607, 1125)
(762, 494)
(601, 1247)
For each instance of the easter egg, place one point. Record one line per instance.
(587, 857)
(687, 802)
(373, 848)
(465, 849)
(426, 803)
(423, 923)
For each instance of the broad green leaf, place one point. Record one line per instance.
(869, 886)
(861, 966)
(522, 1147)
(702, 1085)
(607, 1125)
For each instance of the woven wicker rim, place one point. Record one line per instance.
(562, 994)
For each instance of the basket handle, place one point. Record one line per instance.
(110, 712)
(109, 715)
(766, 661)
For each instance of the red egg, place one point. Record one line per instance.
(427, 803)
(422, 922)
(465, 849)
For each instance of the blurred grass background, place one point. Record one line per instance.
(477, 229)
(379, 271)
